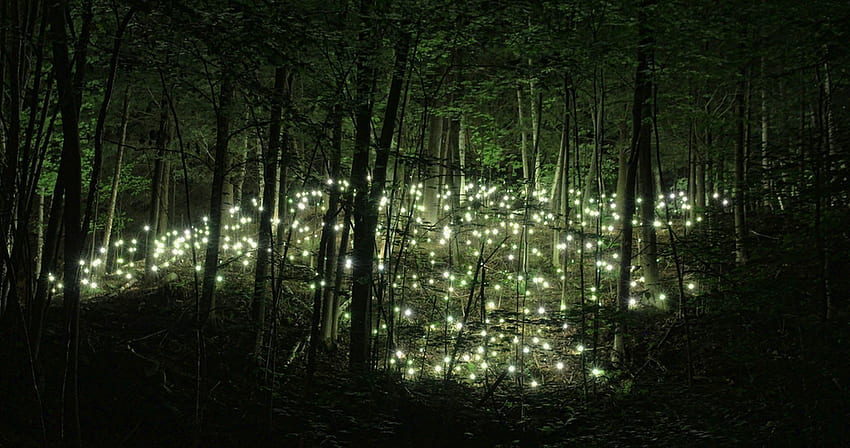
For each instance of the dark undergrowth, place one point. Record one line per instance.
(761, 376)
(758, 380)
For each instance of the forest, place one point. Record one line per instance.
(506, 223)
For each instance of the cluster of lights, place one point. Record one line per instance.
(480, 221)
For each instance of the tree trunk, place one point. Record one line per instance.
(641, 141)
(527, 158)
(431, 169)
(559, 199)
(39, 234)
(765, 164)
(70, 176)
(329, 275)
(100, 126)
(826, 152)
(116, 180)
(264, 239)
(162, 222)
(361, 291)
(740, 182)
(239, 176)
(222, 130)
(227, 196)
(340, 271)
(451, 163)
(259, 168)
(156, 186)
(281, 187)
(646, 191)
(463, 142)
(366, 198)
(536, 116)
(592, 186)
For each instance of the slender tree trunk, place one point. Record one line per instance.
(264, 239)
(344, 240)
(641, 142)
(281, 187)
(527, 158)
(592, 186)
(451, 162)
(15, 57)
(829, 117)
(156, 186)
(826, 151)
(259, 168)
(700, 190)
(463, 142)
(70, 173)
(223, 117)
(646, 191)
(536, 115)
(39, 234)
(100, 126)
(162, 219)
(361, 290)
(443, 166)
(765, 163)
(48, 265)
(330, 272)
(116, 180)
(710, 167)
(559, 199)
(740, 181)
(239, 177)
(432, 162)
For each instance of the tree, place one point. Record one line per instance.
(641, 143)
(116, 179)
(69, 83)
(740, 174)
(223, 113)
(264, 239)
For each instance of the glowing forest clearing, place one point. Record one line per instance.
(493, 288)
(270, 223)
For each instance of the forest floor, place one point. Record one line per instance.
(759, 380)
(761, 376)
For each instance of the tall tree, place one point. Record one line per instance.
(740, 173)
(116, 178)
(69, 83)
(269, 204)
(223, 115)
(641, 142)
